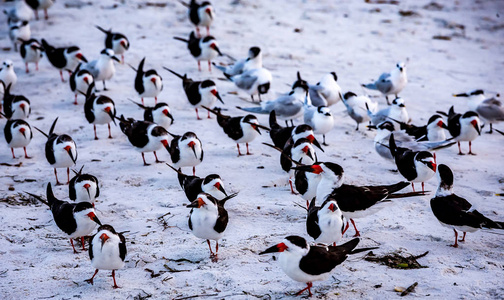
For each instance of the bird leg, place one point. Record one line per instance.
(36, 14)
(208, 30)
(46, 16)
(491, 129)
(463, 238)
(104, 86)
(157, 160)
(209, 66)
(413, 186)
(109, 133)
(75, 101)
(25, 154)
(115, 286)
(386, 98)
(357, 233)
(456, 236)
(36, 66)
(239, 153)
(308, 287)
(143, 157)
(470, 151)
(155, 100)
(61, 75)
(95, 136)
(292, 189)
(423, 187)
(142, 101)
(197, 32)
(346, 228)
(248, 152)
(197, 115)
(208, 115)
(323, 139)
(27, 70)
(90, 280)
(199, 66)
(12, 150)
(259, 94)
(75, 251)
(460, 151)
(68, 175)
(83, 243)
(194, 171)
(212, 254)
(252, 96)
(287, 123)
(56, 174)
(215, 257)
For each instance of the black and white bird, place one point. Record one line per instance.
(200, 14)
(325, 223)
(434, 131)
(358, 106)
(16, 107)
(60, 151)
(99, 110)
(115, 41)
(302, 152)
(107, 251)
(205, 48)
(490, 110)
(288, 135)
(305, 263)
(186, 151)
(102, 68)
(148, 84)
(7, 74)
(145, 136)
(253, 82)
(390, 83)
(306, 184)
(466, 127)
(19, 32)
(31, 52)
(80, 80)
(194, 185)
(242, 129)
(253, 61)
(456, 212)
(199, 93)
(208, 219)
(74, 219)
(326, 92)
(319, 118)
(397, 111)
(159, 114)
(415, 166)
(40, 4)
(64, 58)
(18, 134)
(83, 187)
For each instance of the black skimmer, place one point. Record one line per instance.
(243, 129)
(18, 134)
(99, 110)
(64, 58)
(325, 224)
(148, 83)
(16, 107)
(80, 80)
(282, 136)
(159, 114)
(326, 92)
(390, 83)
(301, 152)
(115, 41)
(84, 187)
(464, 127)
(200, 14)
(145, 136)
(60, 151)
(199, 93)
(319, 118)
(253, 61)
(358, 106)
(202, 48)
(19, 32)
(40, 4)
(208, 219)
(306, 184)
(103, 68)
(107, 251)
(434, 131)
(415, 166)
(490, 110)
(74, 219)
(186, 151)
(7, 74)
(194, 185)
(305, 263)
(31, 52)
(456, 212)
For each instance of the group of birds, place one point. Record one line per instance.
(331, 202)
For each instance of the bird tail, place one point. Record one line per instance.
(39, 198)
(273, 121)
(451, 112)
(396, 187)
(406, 195)
(223, 201)
(176, 74)
(50, 195)
(221, 68)
(107, 32)
(124, 124)
(46, 45)
(392, 145)
(180, 39)
(256, 110)
(139, 105)
(370, 86)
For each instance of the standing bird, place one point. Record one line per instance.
(60, 151)
(194, 185)
(200, 14)
(456, 212)
(319, 118)
(434, 131)
(40, 4)
(18, 134)
(302, 152)
(490, 110)
(145, 136)
(415, 166)
(159, 114)
(199, 93)
(202, 48)
(19, 32)
(15, 106)
(64, 58)
(466, 127)
(147, 83)
(83, 187)
(74, 219)
(305, 263)
(31, 52)
(103, 68)
(396, 111)
(243, 129)
(99, 110)
(208, 219)
(80, 80)
(107, 251)
(254, 81)
(253, 61)
(186, 151)
(357, 107)
(281, 136)
(115, 41)
(325, 224)
(327, 91)
(7, 74)
(390, 83)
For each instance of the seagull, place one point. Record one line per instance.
(253, 61)
(7, 74)
(356, 107)
(490, 110)
(254, 81)
(327, 91)
(19, 32)
(396, 111)
(103, 68)
(319, 118)
(390, 83)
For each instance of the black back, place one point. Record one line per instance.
(55, 55)
(139, 87)
(193, 45)
(136, 131)
(312, 220)
(9, 100)
(454, 122)
(279, 135)
(320, 260)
